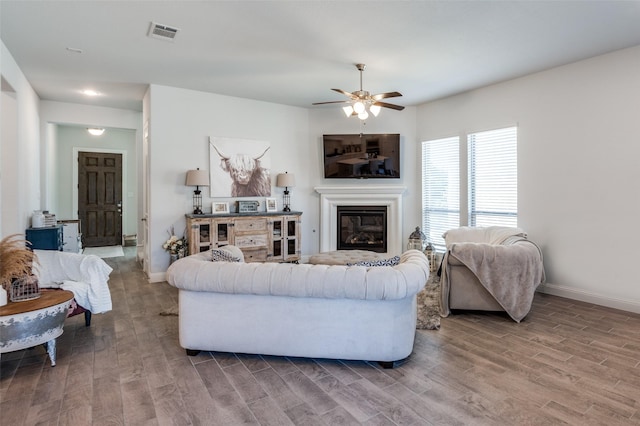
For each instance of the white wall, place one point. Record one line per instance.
(578, 167)
(181, 122)
(10, 219)
(24, 189)
(331, 120)
(71, 140)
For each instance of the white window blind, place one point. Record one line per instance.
(440, 188)
(493, 177)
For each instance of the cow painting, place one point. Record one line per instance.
(248, 177)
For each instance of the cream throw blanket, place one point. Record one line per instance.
(510, 270)
(86, 276)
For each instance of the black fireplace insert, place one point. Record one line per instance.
(362, 228)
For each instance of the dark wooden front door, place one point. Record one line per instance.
(100, 198)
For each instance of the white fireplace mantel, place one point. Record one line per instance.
(366, 195)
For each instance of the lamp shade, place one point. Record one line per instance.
(197, 178)
(285, 180)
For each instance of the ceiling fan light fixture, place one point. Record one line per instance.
(362, 103)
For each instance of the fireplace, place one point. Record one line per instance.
(362, 228)
(387, 196)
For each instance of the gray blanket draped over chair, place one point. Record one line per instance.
(510, 268)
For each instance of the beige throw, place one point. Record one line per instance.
(510, 272)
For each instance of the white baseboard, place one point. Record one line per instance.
(589, 297)
(157, 277)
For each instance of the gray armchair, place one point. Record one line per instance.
(490, 269)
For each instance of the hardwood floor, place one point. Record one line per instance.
(567, 363)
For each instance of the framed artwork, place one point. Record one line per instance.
(239, 168)
(272, 204)
(219, 207)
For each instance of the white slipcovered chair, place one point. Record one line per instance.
(86, 276)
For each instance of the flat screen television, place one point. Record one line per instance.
(362, 156)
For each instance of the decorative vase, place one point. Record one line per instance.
(174, 257)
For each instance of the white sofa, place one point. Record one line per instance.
(300, 310)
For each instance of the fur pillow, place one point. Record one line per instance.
(393, 261)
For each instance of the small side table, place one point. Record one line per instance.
(34, 322)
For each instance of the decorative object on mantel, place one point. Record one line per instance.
(16, 262)
(197, 178)
(271, 204)
(286, 180)
(248, 206)
(360, 100)
(417, 240)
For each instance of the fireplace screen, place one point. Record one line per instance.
(362, 228)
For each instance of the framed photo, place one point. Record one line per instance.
(219, 207)
(272, 204)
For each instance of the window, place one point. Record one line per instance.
(493, 178)
(492, 198)
(440, 188)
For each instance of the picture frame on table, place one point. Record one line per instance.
(219, 207)
(271, 204)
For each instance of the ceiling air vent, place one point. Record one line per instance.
(162, 32)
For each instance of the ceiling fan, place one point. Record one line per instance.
(361, 102)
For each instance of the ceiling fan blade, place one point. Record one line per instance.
(385, 95)
(330, 102)
(387, 105)
(351, 95)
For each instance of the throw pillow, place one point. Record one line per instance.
(393, 261)
(223, 256)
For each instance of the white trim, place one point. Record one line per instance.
(157, 277)
(589, 297)
(371, 195)
(74, 180)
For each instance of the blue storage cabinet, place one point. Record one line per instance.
(49, 238)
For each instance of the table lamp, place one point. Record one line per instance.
(286, 180)
(197, 178)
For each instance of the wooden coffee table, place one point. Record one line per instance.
(34, 322)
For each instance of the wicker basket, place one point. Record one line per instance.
(25, 288)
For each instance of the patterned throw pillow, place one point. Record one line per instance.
(393, 261)
(223, 256)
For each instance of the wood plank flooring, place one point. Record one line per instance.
(567, 363)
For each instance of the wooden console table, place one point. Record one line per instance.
(34, 322)
(262, 237)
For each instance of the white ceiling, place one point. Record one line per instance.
(293, 52)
